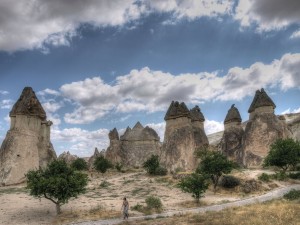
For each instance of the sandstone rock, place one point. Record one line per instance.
(231, 142)
(67, 157)
(262, 129)
(91, 160)
(27, 144)
(183, 135)
(293, 122)
(134, 147)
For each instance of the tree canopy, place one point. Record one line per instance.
(57, 182)
(102, 164)
(284, 153)
(214, 164)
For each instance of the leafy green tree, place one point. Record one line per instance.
(284, 153)
(57, 182)
(214, 164)
(152, 166)
(195, 183)
(102, 164)
(79, 164)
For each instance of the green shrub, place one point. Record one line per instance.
(79, 164)
(137, 207)
(119, 166)
(104, 184)
(279, 176)
(229, 181)
(295, 176)
(153, 203)
(264, 177)
(292, 195)
(161, 171)
(102, 164)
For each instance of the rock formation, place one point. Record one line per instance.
(183, 135)
(262, 129)
(67, 157)
(27, 144)
(134, 147)
(231, 142)
(91, 160)
(293, 122)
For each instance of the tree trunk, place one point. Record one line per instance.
(58, 211)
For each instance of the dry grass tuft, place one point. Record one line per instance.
(279, 212)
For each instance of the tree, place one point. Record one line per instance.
(57, 182)
(79, 164)
(214, 164)
(152, 166)
(102, 164)
(284, 153)
(195, 183)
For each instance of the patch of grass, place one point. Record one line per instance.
(127, 181)
(105, 184)
(154, 203)
(295, 176)
(264, 177)
(292, 195)
(136, 191)
(13, 190)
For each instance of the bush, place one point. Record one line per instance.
(153, 203)
(279, 176)
(161, 171)
(102, 164)
(137, 207)
(292, 195)
(79, 164)
(264, 177)
(295, 176)
(229, 181)
(119, 166)
(104, 184)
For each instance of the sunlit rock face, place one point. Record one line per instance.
(262, 129)
(27, 144)
(183, 135)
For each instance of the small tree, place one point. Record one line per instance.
(102, 164)
(79, 164)
(214, 164)
(284, 153)
(57, 183)
(195, 183)
(152, 166)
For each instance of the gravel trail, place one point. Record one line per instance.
(277, 193)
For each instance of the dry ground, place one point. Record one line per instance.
(103, 198)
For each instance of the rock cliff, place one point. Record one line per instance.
(262, 129)
(27, 144)
(183, 135)
(231, 142)
(134, 147)
(67, 157)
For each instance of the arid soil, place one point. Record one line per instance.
(104, 195)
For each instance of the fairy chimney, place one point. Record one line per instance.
(262, 129)
(231, 142)
(27, 143)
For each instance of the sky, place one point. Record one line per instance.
(99, 64)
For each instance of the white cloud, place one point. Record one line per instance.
(35, 24)
(51, 106)
(268, 14)
(82, 142)
(151, 91)
(287, 111)
(4, 92)
(48, 91)
(295, 35)
(211, 126)
(6, 104)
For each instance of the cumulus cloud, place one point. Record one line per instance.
(151, 91)
(6, 104)
(48, 91)
(268, 14)
(212, 126)
(295, 34)
(82, 142)
(287, 111)
(35, 24)
(4, 92)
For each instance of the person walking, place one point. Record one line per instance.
(125, 208)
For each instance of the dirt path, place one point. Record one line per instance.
(262, 198)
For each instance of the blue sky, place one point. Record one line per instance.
(96, 65)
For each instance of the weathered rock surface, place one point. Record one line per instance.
(92, 159)
(262, 129)
(183, 135)
(231, 142)
(27, 144)
(293, 122)
(67, 157)
(134, 147)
